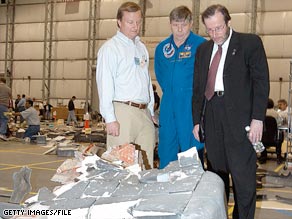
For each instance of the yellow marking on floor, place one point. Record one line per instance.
(279, 168)
(47, 162)
(11, 190)
(20, 152)
(5, 189)
(43, 168)
(20, 148)
(8, 164)
(32, 165)
(10, 168)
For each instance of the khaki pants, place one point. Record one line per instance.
(136, 126)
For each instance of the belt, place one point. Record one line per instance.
(138, 105)
(219, 93)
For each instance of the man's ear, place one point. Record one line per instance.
(119, 23)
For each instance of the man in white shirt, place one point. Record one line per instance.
(31, 116)
(283, 110)
(124, 85)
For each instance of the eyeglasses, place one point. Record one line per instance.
(216, 29)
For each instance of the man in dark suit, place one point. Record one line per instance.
(238, 99)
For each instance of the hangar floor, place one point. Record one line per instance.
(15, 155)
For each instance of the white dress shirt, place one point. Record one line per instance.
(219, 85)
(284, 115)
(122, 74)
(275, 114)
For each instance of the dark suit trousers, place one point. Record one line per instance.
(228, 155)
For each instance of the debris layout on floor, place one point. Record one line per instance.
(50, 130)
(96, 188)
(271, 179)
(64, 140)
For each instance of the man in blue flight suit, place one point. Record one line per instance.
(174, 69)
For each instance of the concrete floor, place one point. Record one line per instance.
(15, 155)
(271, 208)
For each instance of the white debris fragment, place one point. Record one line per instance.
(135, 169)
(88, 162)
(188, 157)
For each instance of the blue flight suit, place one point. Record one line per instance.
(174, 69)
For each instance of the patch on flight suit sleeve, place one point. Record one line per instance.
(168, 50)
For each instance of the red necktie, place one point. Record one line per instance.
(209, 92)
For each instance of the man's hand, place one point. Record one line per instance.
(256, 131)
(196, 132)
(113, 128)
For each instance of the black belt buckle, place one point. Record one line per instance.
(219, 93)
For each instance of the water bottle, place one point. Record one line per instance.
(258, 146)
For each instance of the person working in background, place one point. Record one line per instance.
(269, 133)
(41, 110)
(174, 69)
(231, 72)
(21, 103)
(283, 110)
(18, 98)
(5, 96)
(31, 115)
(273, 113)
(47, 110)
(124, 85)
(21, 106)
(71, 112)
